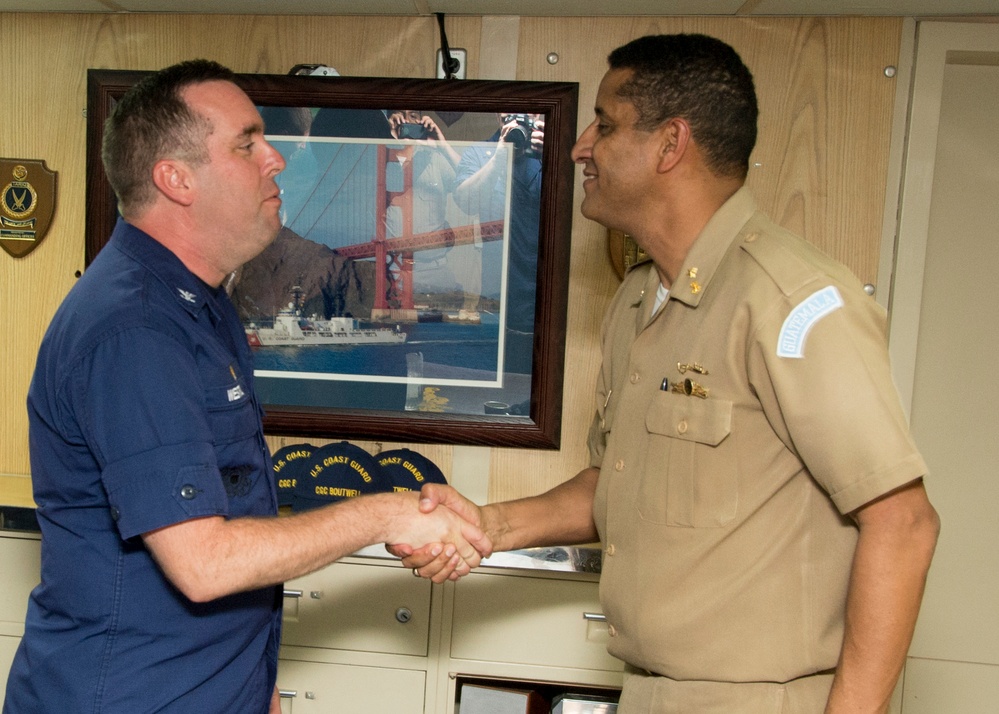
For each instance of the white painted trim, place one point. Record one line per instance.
(935, 40)
(896, 160)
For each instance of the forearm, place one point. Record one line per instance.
(212, 557)
(476, 190)
(452, 156)
(886, 587)
(561, 516)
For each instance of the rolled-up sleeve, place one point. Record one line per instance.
(141, 401)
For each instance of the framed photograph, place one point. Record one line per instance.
(417, 290)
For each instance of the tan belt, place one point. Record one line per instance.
(648, 693)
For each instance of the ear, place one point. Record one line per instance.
(174, 180)
(675, 141)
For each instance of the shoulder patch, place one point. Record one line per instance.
(794, 331)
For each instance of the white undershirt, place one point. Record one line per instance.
(661, 294)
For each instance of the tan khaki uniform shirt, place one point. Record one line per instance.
(720, 502)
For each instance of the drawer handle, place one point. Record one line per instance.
(287, 693)
(594, 617)
(293, 593)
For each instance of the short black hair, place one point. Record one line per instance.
(151, 122)
(700, 79)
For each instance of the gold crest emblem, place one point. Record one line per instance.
(27, 204)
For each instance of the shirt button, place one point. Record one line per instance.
(187, 492)
(611, 630)
(115, 514)
(635, 378)
(681, 428)
(610, 549)
(619, 465)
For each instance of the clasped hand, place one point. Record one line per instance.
(452, 557)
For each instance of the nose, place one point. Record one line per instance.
(274, 163)
(582, 150)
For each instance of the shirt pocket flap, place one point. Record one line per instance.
(690, 418)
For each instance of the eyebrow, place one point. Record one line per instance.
(251, 129)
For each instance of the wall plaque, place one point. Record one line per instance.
(27, 204)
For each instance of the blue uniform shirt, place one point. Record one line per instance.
(142, 415)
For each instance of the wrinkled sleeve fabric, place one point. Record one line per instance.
(836, 405)
(142, 408)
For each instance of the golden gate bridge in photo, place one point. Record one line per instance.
(351, 197)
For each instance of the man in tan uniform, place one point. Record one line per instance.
(752, 478)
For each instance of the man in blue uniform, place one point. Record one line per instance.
(162, 557)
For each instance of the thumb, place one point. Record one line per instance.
(477, 538)
(442, 495)
(430, 497)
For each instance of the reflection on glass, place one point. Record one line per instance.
(406, 268)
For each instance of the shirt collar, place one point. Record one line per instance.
(189, 291)
(709, 248)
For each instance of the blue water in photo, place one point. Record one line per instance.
(465, 346)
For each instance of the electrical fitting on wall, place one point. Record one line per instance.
(313, 70)
(457, 66)
(450, 62)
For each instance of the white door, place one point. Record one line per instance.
(944, 342)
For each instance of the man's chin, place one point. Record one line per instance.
(587, 208)
(593, 212)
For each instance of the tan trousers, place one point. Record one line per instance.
(646, 693)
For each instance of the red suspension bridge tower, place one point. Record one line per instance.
(394, 256)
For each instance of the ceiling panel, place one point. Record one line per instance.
(586, 7)
(270, 7)
(52, 6)
(556, 8)
(905, 8)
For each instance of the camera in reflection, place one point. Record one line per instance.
(520, 135)
(412, 131)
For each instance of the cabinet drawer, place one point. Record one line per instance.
(20, 562)
(310, 687)
(373, 608)
(526, 620)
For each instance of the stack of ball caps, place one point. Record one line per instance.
(309, 477)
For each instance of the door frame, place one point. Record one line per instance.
(937, 44)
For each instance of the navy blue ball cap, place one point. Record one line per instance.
(290, 463)
(335, 472)
(409, 470)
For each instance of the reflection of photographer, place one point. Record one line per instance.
(481, 190)
(480, 185)
(413, 125)
(432, 161)
(526, 132)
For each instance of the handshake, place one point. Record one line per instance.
(445, 539)
(442, 535)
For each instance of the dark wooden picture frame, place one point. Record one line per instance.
(556, 103)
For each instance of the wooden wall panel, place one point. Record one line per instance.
(42, 116)
(822, 152)
(819, 167)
